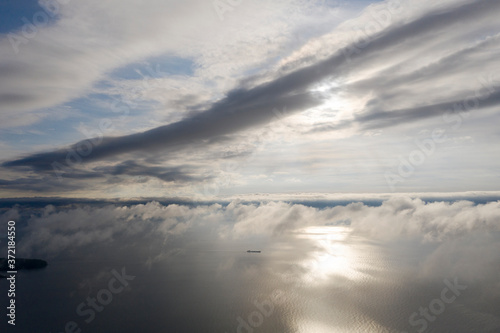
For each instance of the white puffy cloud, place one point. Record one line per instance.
(460, 230)
(434, 221)
(56, 230)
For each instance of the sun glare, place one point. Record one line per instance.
(334, 255)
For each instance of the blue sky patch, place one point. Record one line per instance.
(14, 15)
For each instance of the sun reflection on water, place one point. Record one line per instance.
(338, 268)
(334, 255)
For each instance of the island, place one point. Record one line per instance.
(23, 264)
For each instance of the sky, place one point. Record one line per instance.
(119, 99)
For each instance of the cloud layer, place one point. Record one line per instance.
(396, 254)
(54, 230)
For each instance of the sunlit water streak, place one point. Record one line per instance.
(344, 260)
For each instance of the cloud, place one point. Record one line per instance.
(239, 111)
(51, 233)
(42, 184)
(75, 178)
(398, 218)
(56, 63)
(132, 168)
(244, 108)
(429, 222)
(413, 53)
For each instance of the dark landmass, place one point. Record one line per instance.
(40, 202)
(22, 264)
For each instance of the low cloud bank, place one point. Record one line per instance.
(468, 232)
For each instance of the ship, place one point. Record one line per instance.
(253, 251)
